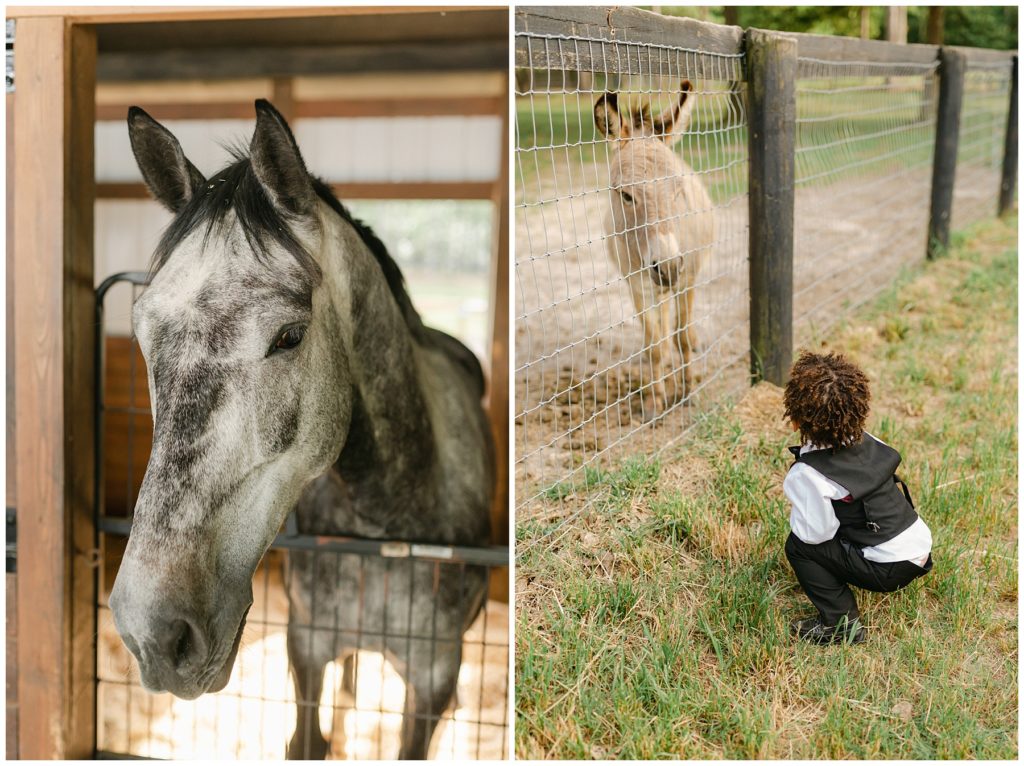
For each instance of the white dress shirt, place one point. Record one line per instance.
(813, 519)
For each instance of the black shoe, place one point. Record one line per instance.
(814, 630)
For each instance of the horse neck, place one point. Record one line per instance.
(389, 455)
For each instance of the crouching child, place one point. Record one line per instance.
(852, 520)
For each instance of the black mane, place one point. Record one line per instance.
(237, 188)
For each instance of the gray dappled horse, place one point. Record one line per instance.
(288, 369)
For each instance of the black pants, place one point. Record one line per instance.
(826, 571)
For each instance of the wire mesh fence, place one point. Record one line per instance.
(359, 654)
(865, 136)
(982, 133)
(630, 250)
(632, 259)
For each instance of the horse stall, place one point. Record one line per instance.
(402, 112)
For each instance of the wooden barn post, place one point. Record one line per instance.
(771, 94)
(55, 64)
(498, 396)
(1008, 181)
(952, 65)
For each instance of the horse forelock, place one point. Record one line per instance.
(236, 188)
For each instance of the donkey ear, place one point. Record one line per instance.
(171, 178)
(607, 118)
(670, 125)
(277, 163)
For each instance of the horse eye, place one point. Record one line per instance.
(627, 196)
(290, 338)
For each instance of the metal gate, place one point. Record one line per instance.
(361, 707)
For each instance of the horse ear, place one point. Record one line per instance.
(171, 178)
(607, 118)
(670, 125)
(277, 163)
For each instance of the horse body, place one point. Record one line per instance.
(288, 368)
(661, 228)
(412, 469)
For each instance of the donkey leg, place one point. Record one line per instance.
(674, 392)
(645, 303)
(686, 335)
(429, 690)
(307, 667)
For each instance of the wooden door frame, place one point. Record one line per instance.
(55, 65)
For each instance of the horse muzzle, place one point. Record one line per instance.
(177, 650)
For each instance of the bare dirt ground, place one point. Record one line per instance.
(254, 716)
(581, 372)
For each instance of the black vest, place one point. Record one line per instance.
(878, 510)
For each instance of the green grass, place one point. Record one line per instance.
(654, 623)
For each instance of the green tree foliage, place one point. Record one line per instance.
(980, 26)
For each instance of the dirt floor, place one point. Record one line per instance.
(254, 716)
(581, 371)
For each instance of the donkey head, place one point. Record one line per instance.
(647, 178)
(248, 390)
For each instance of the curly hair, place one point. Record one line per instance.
(828, 398)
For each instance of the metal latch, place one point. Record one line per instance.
(12, 539)
(10, 55)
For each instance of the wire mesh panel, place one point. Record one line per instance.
(982, 134)
(631, 250)
(864, 144)
(358, 646)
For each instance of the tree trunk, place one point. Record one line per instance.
(936, 32)
(896, 23)
(732, 18)
(865, 22)
(936, 24)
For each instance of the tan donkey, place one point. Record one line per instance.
(661, 228)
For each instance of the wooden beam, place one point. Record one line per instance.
(983, 57)
(283, 97)
(465, 106)
(952, 66)
(142, 14)
(12, 475)
(629, 25)
(466, 190)
(619, 30)
(772, 68)
(11, 650)
(462, 106)
(54, 316)
(1008, 178)
(11, 690)
(268, 61)
(833, 48)
(498, 392)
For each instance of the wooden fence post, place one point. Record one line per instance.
(952, 65)
(772, 71)
(1009, 179)
(55, 65)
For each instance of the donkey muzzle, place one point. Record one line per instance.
(665, 257)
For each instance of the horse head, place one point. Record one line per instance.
(248, 387)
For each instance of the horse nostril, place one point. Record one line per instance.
(181, 640)
(183, 643)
